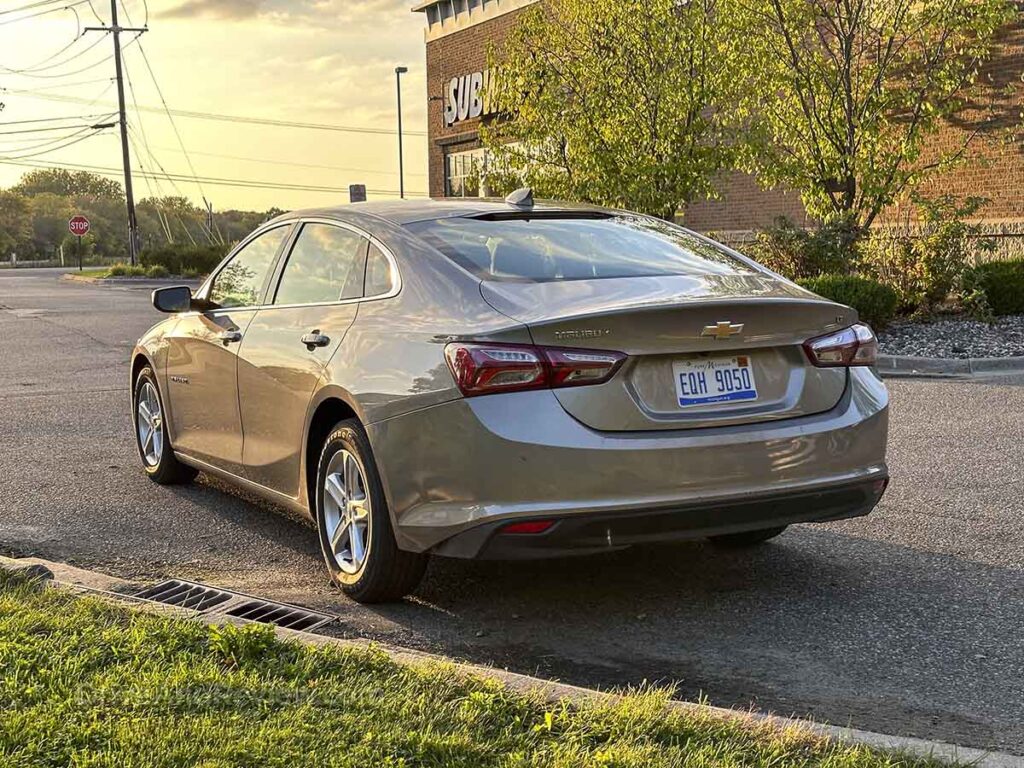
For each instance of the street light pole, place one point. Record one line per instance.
(399, 71)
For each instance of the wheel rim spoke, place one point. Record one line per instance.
(150, 425)
(346, 511)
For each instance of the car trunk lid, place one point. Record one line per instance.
(669, 325)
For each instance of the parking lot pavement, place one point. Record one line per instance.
(909, 621)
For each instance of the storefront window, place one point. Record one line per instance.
(464, 171)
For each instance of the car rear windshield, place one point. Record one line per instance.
(546, 248)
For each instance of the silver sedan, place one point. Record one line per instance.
(489, 379)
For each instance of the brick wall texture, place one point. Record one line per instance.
(992, 165)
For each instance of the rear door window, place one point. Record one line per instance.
(326, 265)
(546, 248)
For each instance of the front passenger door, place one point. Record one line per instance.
(288, 344)
(202, 355)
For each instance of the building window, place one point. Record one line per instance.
(464, 172)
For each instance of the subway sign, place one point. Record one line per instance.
(468, 96)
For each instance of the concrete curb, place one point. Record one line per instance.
(904, 366)
(80, 580)
(76, 278)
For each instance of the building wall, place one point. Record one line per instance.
(459, 53)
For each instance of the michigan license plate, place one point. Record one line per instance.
(714, 380)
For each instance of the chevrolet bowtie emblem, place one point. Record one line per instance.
(722, 330)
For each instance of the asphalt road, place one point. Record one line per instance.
(910, 621)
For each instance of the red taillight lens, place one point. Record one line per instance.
(855, 345)
(480, 369)
(483, 369)
(578, 367)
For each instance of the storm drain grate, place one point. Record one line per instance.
(185, 594)
(278, 614)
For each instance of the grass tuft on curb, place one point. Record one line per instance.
(87, 682)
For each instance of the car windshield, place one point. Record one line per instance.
(547, 248)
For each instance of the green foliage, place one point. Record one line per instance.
(615, 102)
(838, 98)
(179, 259)
(157, 271)
(924, 265)
(1002, 284)
(91, 682)
(63, 183)
(127, 270)
(34, 218)
(798, 253)
(875, 303)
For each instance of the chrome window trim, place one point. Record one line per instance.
(396, 282)
(396, 275)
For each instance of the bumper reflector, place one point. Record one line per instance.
(528, 526)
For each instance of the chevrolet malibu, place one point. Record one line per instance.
(504, 379)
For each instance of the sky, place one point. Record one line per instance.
(329, 62)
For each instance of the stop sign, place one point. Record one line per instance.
(78, 226)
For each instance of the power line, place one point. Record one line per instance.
(66, 7)
(29, 7)
(31, 71)
(55, 119)
(233, 118)
(292, 163)
(67, 143)
(220, 181)
(42, 130)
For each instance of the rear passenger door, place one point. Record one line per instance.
(292, 337)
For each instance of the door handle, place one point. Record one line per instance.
(315, 339)
(229, 336)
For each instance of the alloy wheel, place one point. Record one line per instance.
(150, 425)
(347, 511)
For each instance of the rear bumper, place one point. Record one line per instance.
(479, 462)
(588, 534)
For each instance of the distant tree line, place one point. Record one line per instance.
(34, 217)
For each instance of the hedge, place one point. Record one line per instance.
(1003, 285)
(875, 303)
(178, 260)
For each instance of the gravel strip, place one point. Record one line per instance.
(955, 337)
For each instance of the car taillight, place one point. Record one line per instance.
(483, 369)
(855, 345)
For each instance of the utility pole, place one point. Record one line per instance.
(399, 71)
(116, 29)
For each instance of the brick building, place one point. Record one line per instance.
(458, 34)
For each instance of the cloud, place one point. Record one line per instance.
(328, 13)
(220, 9)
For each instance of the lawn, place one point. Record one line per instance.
(86, 682)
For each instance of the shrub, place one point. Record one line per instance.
(924, 265)
(157, 271)
(118, 270)
(176, 259)
(1002, 283)
(798, 253)
(875, 303)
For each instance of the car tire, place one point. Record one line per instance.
(746, 538)
(158, 458)
(354, 523)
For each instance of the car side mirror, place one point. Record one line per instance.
(177, 298)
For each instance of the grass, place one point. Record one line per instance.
(85, 682)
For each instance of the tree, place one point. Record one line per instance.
(15, 225)
(65, 183)
(612, 102)
(839, 96)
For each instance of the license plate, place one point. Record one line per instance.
(714, 380)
